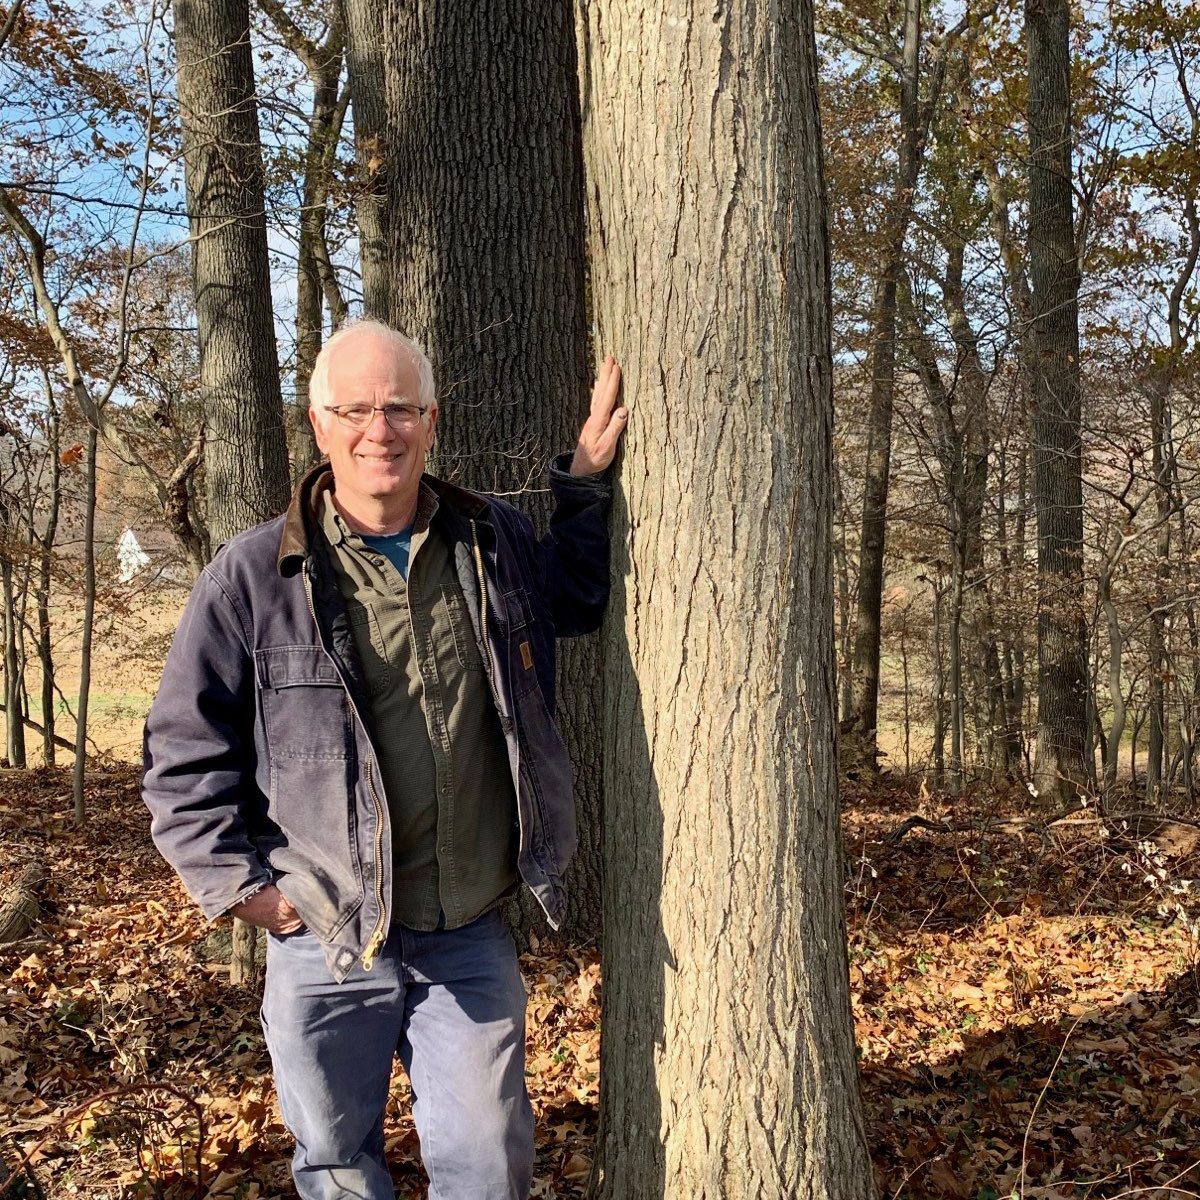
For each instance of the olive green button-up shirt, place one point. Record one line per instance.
(441, 750)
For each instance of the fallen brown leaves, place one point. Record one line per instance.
(1027, 1007)
(1027, 1018)
(117, 987)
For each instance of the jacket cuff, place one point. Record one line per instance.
(251, 889)
(561, 477)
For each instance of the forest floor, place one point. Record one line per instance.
(1027, 1008)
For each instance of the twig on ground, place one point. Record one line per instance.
(1020, 825)
(131, 1089)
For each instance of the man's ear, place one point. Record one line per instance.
(318, 431)
(431, 437)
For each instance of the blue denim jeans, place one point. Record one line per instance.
(452, 1005)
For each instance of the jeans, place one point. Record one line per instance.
(452, 1005)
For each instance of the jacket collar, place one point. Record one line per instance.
(303, 517)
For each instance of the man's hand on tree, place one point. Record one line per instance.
(269, 909)
(603, 428)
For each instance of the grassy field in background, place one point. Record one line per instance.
(131, 642)
(128, 648)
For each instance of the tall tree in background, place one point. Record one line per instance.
(364, 59)
(1166, 169)
(728, 1053)
(483, 164)
(1064, 763)
(245, 454)
(919, 63)
(246, 463)
(316, 280)
(865, 668)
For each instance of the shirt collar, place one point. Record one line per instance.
(335, 528)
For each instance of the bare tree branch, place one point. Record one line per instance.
(10, 22)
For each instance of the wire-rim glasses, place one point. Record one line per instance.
(359, 416)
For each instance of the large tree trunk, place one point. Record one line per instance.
(1063, 753)
(245, 456)
(487, 252)
(728, 1053)
(364, 60)
(246, 463)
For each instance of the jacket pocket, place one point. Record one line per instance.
(547, 769)
(309, 732)
(305, 711)
(517, 622)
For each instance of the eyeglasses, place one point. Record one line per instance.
(359, 416)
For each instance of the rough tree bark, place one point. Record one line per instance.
(487, 250)
(246, 464)
(1064, 765)
(364, 60)
(245, 456)
(728, 1053)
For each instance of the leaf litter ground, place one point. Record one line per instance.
(1026, 1006)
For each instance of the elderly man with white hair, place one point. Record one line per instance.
(353, 747)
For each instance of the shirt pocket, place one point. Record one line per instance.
(372, 651)
(466, 648)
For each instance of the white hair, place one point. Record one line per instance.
(318, 384)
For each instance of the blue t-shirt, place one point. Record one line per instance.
(394, 545)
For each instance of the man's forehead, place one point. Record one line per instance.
(372, 359)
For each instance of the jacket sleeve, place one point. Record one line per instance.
(198, 754)
(574, 552)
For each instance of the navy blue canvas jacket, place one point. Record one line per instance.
(259, 757)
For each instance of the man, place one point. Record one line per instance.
(353, 748)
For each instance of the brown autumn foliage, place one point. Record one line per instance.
(1027, 1006)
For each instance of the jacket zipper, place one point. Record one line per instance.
(483, 611)
(489, 671)
(379, 934)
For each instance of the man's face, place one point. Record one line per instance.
(377, 463)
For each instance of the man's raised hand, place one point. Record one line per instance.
(605, 424)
